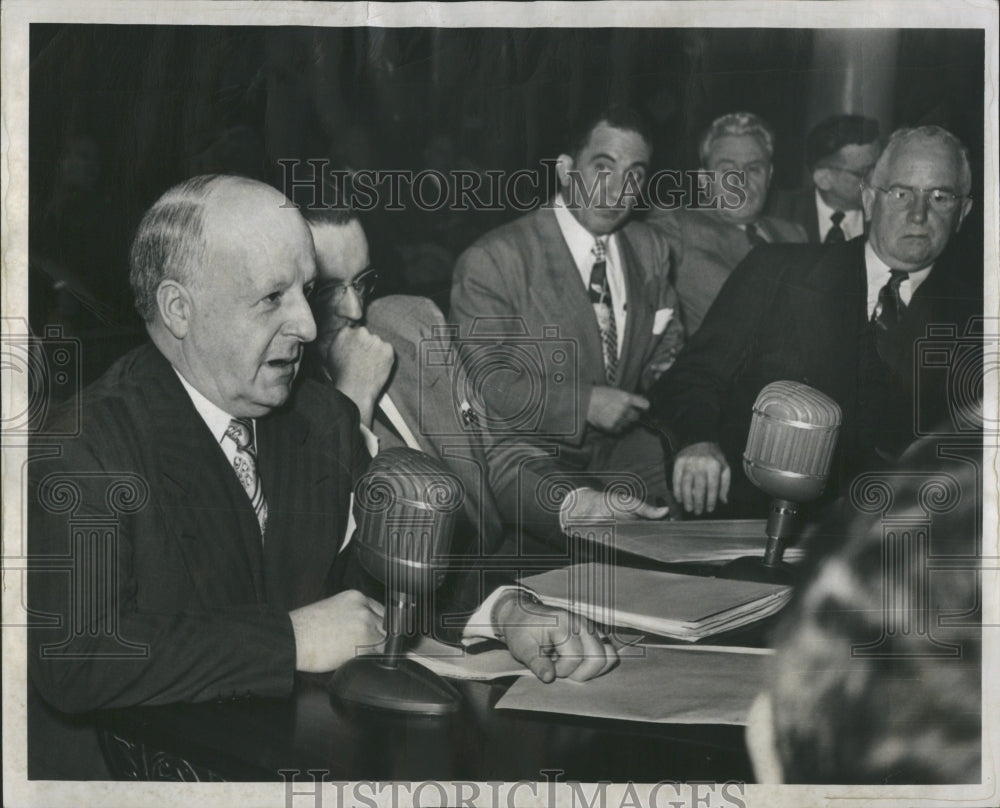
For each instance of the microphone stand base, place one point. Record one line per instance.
(408, 687)
(753, 568)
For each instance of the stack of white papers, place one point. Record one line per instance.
(693, 542)
(683, 607)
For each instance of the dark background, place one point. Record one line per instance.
(120, 113)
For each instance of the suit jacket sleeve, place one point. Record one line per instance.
(490, 281)
(111, 653)
(687, 401)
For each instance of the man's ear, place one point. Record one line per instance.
(867, 201)
(822, 179)
(173, 301)
(962, 213)
(564, 164)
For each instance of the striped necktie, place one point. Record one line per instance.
(600, 297)
(240, 432)
(890, 304)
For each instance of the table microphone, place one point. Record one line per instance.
(405, 506)
(789, 449)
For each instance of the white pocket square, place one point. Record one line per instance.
(660, 320)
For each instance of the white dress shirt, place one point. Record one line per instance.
(581, 245)
(216, 419)
(878, 276)
(853, 223)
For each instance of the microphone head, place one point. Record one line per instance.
(406, 504)
(791, 442)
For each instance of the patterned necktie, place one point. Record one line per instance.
(754, 236)
(600, 297)
(835, 235)
(890, 305)
(240, 432)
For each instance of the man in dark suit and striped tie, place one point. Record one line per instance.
(216, 559)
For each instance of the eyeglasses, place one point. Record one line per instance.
(900, 197)
(331, 292)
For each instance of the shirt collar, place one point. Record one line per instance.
(578, 238)
(879, 270)
(824, 211)
(214, 417)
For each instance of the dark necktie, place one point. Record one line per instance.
(600, 297)
(890, 305)
(240, 432)
(835, 235)
(754, 236)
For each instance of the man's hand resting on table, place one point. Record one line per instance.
(330, 632)
(552, 643)
(588, 505)
(701, 477)
(612, 410)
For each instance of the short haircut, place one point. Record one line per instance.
(337, 188)
(901, 137)
(830, 135)
(616, 116)
(170, 240)
(735, 123)
(323, 215)
(859, 699)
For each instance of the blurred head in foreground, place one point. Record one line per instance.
(867, 686)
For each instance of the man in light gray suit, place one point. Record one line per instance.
(567, 316)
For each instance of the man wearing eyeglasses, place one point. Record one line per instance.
(844, 318)
(840, 151)
(371, 353)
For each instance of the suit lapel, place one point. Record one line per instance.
(201, 494)
(562, 293)
(827, 301)
(641, 313)
(299, 473)
(810, 217)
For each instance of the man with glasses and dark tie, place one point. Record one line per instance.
(844, 318)
(840, 151)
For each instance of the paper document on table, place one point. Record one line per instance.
(459, 663)
(675, 685)
(696, 541)
(685, 607)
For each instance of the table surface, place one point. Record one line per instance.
(257, 739)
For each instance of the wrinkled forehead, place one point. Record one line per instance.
(341, 250)
(252, 238)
